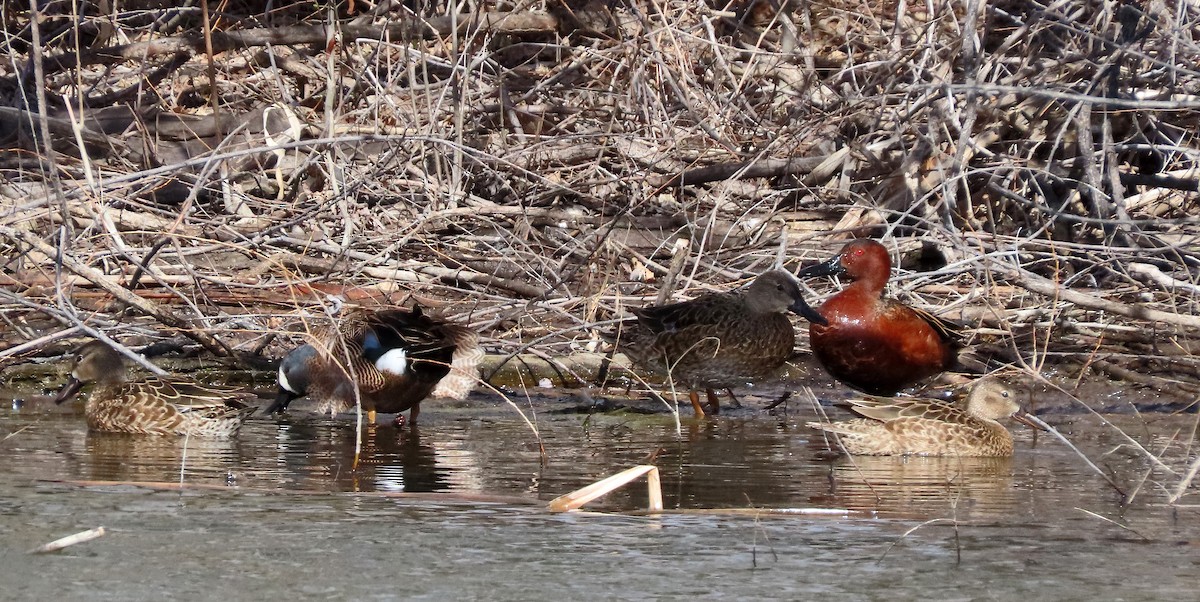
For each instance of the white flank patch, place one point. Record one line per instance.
(394, 361)
(283, 381)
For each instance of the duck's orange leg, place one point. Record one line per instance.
(696, 407)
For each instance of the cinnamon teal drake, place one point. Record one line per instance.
(152, 405)
(927, 427)
(718, 340)
(871, 342)
(389, 360)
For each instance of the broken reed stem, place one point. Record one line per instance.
(576, 499)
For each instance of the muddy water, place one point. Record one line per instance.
(454, 509)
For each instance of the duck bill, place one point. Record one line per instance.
(69, 390)
(1028, 420)
(803, 309)
(830, 267)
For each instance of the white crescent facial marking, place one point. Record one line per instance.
(283, 381)
(394, 361)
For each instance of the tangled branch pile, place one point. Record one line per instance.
(223, 169)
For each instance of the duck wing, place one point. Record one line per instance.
(464, 363)
(701, 311)
(948, 330)
(889, 409)
(410, 340)
(188, 395)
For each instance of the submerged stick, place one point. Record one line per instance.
(69, 540)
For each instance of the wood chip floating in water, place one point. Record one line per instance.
(69, 540)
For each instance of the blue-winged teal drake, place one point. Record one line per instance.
(152, 405)
(389, 360)
(872, 343)
(718, 340)
(927, 427)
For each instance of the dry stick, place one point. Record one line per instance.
(679, 255)
(1112, 522)
(1045, 286)
(122, 294)
(1088, 461)
(903, 536)
(760, 168)
(39, 342)
(395, 272)
(213, 98)
(1185, 482)
(576, 499)
(397, 29)
(75, 325)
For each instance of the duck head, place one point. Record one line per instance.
(93, 362)
(779, 292)
(863, 260)
(293, 377)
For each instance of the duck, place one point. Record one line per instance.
(870, 342)
(389, 360)
(913, 426)
(718, 340)
(152, 405)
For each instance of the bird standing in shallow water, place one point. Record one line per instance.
(719, 340)
(926, 427)
(152, 405)
(389, 360)
(870, 342)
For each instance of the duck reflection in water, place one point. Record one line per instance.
(920, 487)
(135, 458)
(322, 452)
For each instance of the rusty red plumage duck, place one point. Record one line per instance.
(870, 342)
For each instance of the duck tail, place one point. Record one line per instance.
(464, 363)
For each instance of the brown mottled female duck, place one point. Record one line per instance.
(870, 342)
(396, 358)
(152, 405)
(719, 340)
(927, 427)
